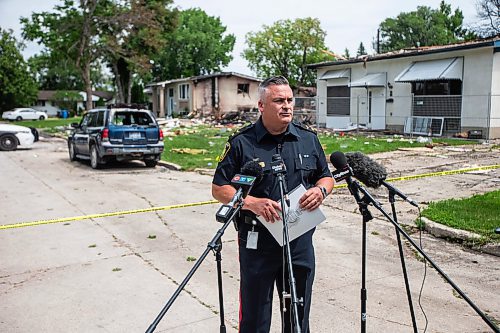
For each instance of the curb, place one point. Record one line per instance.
(169, 165)
(441, 231)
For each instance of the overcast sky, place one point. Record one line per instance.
(347, 23)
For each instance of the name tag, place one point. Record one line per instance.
(252, 238)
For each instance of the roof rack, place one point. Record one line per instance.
(128, 106)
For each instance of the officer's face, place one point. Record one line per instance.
(276, 108)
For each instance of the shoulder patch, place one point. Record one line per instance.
(221, 157)
(227, 147)
(306, 127)
(240, 131)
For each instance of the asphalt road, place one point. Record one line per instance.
(115, 274)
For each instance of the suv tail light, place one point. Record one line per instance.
(105, 134)
(160, 132)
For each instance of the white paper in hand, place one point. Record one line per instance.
(299, 221)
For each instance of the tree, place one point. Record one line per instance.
(123, 34)
(133, 34)
(17, 87)
(70, 32)
(55, 74)
(346, 54)
(489, 13)
(423, 27)
(285, 48)
(198, 45)
(361, 50)
(67, 100)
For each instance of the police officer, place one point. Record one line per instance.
(260, 256)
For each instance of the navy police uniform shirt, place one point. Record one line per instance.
(299, 148)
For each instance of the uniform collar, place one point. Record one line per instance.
(261, 131)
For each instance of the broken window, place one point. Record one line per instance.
(184, 91)
(243, 88)
(338, 101)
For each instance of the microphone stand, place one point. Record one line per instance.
(392, 200)
(353, 187)
(368, 199)
(286, 239)
(214, 245)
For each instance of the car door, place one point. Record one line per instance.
(27, 114)
(81, 136)
(95, 126)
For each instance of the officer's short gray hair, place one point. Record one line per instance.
(272, 81)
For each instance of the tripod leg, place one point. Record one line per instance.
(218, 258)
(403, 264)
(407, 284)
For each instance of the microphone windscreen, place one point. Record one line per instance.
(252, 168)
(366, 170)
(338, 160)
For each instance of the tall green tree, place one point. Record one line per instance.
(17, 87)
(53, 73)
(285, 48)
(424, 27)
(70, 33)
(346, 54)
(361, 50)
(122, 33)
(133, 34)
(198, 45)
(488, 12)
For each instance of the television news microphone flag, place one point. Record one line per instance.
(251, 173)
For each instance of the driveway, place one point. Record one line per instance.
(115, 274)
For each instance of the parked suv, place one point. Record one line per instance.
(116, 133)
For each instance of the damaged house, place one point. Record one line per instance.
(205, 95)
(437, 90)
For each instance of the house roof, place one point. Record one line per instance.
(205, 77)
(487, 42)
(45, 95)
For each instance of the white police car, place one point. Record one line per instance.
(12, 136)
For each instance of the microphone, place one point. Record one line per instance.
(279, 168)
(343, 170)
(373, 174)
(366, 170)
(251, 173)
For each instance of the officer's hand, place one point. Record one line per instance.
(311, 199)
(266, 208)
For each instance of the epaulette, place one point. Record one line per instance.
(240, 131)
(306, 127)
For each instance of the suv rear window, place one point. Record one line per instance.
(131, 118)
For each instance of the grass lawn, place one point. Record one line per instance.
(479, 214)
(49, 125)
(208, 143)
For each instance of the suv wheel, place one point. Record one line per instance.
(150, 163)
(72, 153)
(42, 118)
(94, 158)
(8, 142)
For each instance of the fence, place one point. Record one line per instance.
(437, 115)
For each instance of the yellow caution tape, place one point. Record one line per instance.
(95, 216)
(154, 209)
(433, 174)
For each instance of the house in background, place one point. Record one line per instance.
(205, 95)
(438, 90)
(45, 101)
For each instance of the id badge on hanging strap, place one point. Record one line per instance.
(252, 238)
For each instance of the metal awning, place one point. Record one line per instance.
(336, 74)
(441, 69)
(370, 80)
